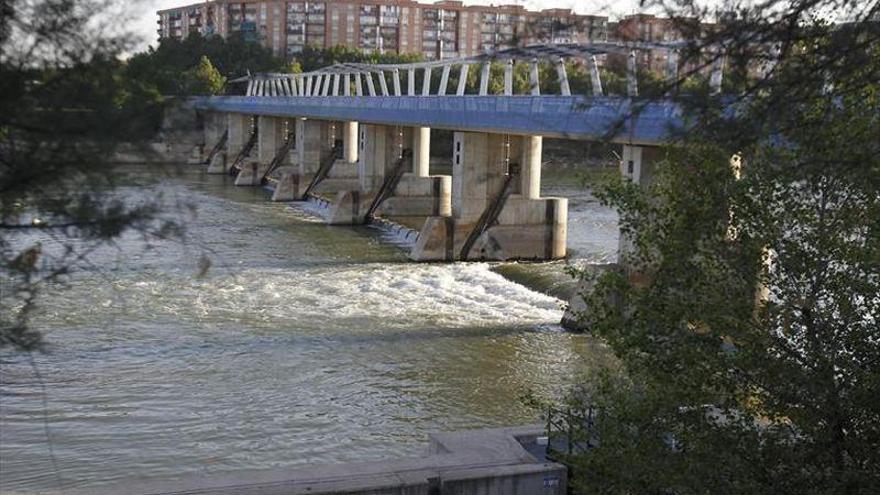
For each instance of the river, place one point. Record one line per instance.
(303, 344)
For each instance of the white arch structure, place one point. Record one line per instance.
(341, 79)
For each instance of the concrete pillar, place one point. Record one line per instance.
(313, 139)
(208, 129)
(637, 165)
(350, 141)
(379, 151)
(288, 186)
(478, 169)
(215, 125)
(239, 126)
(271, 138)
(421, 151)
(530, 167)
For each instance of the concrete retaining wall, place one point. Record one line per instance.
(481, 462)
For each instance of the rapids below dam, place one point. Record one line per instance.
(303, 344)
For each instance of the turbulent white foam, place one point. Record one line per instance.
(365, 298)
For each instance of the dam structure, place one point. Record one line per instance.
(358, 138)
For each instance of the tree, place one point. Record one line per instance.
(204, 79)
(747, 315)
(314, 58)
(66, 108)
(293, 68)
(166, 66)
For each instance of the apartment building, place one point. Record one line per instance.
(652, 29)
(445, 29)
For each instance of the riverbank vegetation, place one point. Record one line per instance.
(746, 312)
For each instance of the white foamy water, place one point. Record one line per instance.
(397, 295)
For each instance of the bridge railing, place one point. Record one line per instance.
(356, 79)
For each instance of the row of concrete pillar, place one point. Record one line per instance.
(493, 174)
(492, 197)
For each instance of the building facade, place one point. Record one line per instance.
(649, 28)
(445, 29)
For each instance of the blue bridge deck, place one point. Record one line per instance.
(568, 117)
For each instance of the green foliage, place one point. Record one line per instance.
(314, 58)
(188, 66)
(166, 67)
(746, 314)
(204, 79)
(293, 68)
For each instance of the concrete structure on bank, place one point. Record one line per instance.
(480, 462)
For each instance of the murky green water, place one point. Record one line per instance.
(304, 344)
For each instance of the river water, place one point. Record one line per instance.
(303, 344)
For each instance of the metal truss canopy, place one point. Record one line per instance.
(411, 79)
